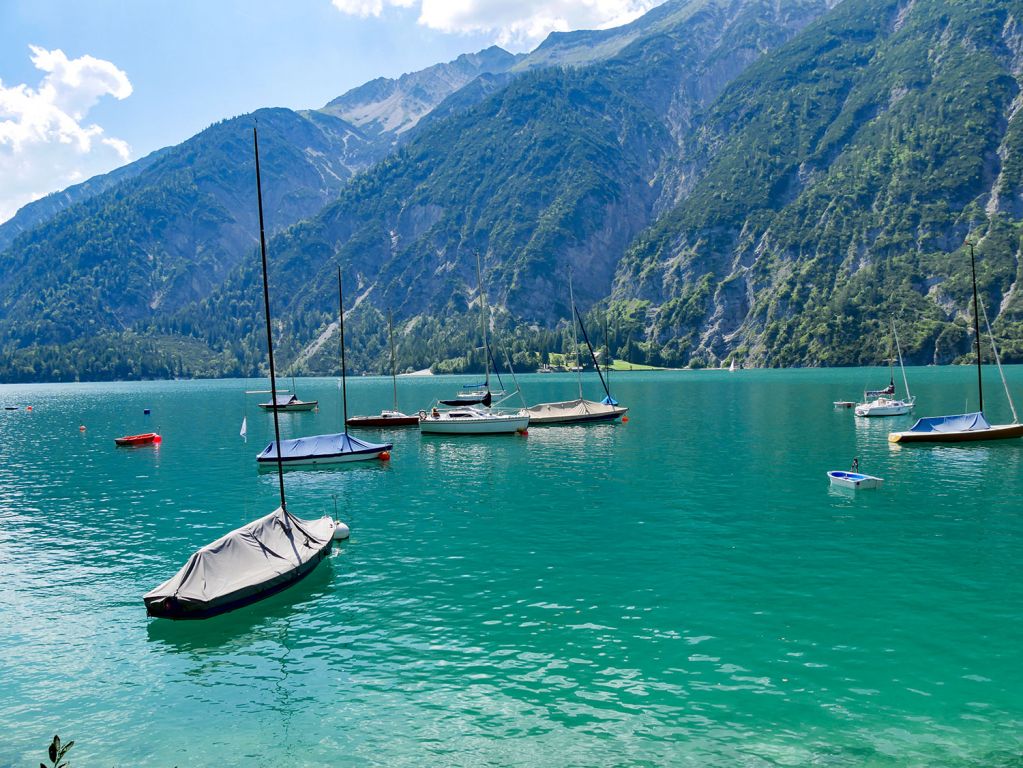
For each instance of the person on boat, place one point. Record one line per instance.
(435, 414)
(856, 464)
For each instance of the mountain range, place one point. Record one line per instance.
(721, 179)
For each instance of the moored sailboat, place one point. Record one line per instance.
(476, 418)
(260, 558)
(580, 410)
(336, 448)
(966, 427)
(883, 402)
(387, 418)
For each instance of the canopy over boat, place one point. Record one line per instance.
(243, 566)
(322, 449)
(964, 422)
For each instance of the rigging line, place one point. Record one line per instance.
(998, 362)
(905, 381)
(589, 346)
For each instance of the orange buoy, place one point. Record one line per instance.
(624, 419)
(157, 439)
(385, 456)
(81, 428)
(29, 408)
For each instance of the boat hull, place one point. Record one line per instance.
(853, 480)
(994, 432)
(882, 410)
(383, 421)
(145, 439)
(301, 406)
(485, 425)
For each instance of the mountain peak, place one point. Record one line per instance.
(392, 106)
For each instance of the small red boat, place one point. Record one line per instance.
(144, 439)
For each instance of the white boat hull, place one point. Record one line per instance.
(884, 406)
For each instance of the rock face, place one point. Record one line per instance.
(832, 185)
(386, 108)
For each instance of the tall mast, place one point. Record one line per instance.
(976, 327)
(575, 337)
(269, 335)
(394, 375)
(341, 322)
(483, 321)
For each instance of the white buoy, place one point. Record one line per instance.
(340, 531)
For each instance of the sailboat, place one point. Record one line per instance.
(966, 427)
(336, 448)
(882, 402)
(258, 559)
(580, 410)
(477, 418)
(288, 402)
(394, 417)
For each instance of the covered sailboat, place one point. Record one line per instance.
(966, 427)
(580, 410)
(245, 565)
(336, 448)
(260, 558)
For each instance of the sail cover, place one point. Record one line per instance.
(260, 557)
(966, 422)
(320, 446)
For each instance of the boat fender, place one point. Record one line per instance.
(340, 531)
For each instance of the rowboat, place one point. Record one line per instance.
(143, 439)
(853, 480)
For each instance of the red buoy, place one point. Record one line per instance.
(385, 456)
(624, 419)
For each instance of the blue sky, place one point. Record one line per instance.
(87, 85)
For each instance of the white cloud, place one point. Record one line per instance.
(366, 8)
(519, 25)
(45, 143)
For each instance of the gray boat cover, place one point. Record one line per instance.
(569, 409)
(258, 557)
(965, 422)
(320, 446)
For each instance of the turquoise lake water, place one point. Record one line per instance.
(682, 589)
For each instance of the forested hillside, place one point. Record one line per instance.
(722, 179)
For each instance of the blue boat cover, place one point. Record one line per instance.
(965, 422)
(320, 446)
(609, 401)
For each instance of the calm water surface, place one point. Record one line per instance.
(681, 589)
